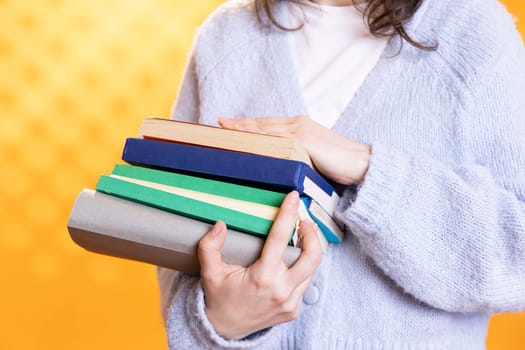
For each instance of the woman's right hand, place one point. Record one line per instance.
(240, 301)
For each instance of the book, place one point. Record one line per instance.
(331, 229)
(200, 185)
(281, 175)
(179, 194)
(216, 137)
(112, 226)
(203, 199)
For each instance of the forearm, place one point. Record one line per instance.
(450, 237)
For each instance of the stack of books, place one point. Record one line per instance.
(180, 178)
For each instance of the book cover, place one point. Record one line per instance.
(216, 137)
(280, 175)
(117, 227)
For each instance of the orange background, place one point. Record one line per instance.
(76, 78)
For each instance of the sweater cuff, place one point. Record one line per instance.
(195, 309)
(375, 197)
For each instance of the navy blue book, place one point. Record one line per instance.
(276, 174)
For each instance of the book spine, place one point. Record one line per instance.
(117, 227)
(200, 184)
(183, 205)
(280, 174)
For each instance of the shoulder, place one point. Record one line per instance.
(453, 19)
(472, 36)
(469, 28)
(229, 17)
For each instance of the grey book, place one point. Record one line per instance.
(117, 227)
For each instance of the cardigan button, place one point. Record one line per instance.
(311, 296)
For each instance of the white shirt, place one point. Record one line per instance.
(333, 54)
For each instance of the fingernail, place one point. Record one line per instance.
(307, 222)
(216, 229)
(294, 197)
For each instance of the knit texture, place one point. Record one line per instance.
(436, 233)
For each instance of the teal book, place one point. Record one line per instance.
(328, 226)
(242, 208)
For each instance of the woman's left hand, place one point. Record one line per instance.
(338, 158)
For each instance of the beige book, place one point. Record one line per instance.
(210, 136)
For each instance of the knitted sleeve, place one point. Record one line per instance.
(187, 326)
(453, 236)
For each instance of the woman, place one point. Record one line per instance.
(421, 117)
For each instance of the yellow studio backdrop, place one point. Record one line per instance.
(76, 78)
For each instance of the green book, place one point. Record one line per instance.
(240, 207)
(201, 184)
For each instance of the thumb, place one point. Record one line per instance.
(209, 249)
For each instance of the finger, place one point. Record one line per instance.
(253, 120)
(243, 124)
(311, 253)
(281, 126)
(278, 129)
(299, 291)
(292, 307)
(209, 250)
(279, 236)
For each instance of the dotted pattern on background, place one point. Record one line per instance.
(76, 78)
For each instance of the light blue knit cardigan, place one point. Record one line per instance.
(436, 239)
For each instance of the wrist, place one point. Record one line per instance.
(363, 163)
(223, 327)
(355, 169)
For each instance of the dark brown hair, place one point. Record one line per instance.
(384, 17)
